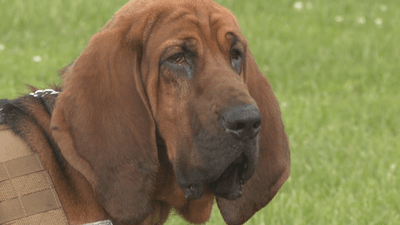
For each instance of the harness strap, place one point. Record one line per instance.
(104, 222)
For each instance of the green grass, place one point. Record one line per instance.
(338, 84)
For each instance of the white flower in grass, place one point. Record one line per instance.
(383, 8)
(298, 5)
(284, 104)
(361, 20)
(378, 21)
(392, 167)
(309, 5)
(390, 173)
(339, 19)
(37, 58)
(2, 47)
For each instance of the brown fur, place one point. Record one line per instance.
(126, 123)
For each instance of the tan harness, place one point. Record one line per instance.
(27, 194)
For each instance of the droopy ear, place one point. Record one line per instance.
(103, 124)
(273, 165)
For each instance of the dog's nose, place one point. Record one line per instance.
(243, 121)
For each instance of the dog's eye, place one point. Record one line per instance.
(235, 55)
(178, 58)
(236, 60)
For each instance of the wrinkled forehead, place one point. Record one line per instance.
(167, 6)
(183, 19)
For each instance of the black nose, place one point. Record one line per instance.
(243, 121)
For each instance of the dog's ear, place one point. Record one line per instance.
(273, 165)
(103, 124)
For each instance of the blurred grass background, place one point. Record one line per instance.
(334, 66)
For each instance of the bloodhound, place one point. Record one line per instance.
(164, 109)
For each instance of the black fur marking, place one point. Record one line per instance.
(2, 103)
(11, 112)
(16, 113)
